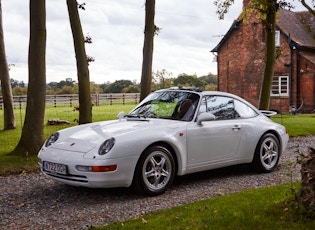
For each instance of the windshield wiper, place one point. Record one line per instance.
(135, 116)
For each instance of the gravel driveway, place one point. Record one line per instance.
(31, 201)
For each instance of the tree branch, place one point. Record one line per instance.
(308, 7)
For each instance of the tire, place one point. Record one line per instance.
(154, 172)
(267, 153)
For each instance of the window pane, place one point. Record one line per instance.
(280, 86)
(203, 106)
(284, 85)
(243, 110)
(277, 38)
(275, 86)
(221, 107)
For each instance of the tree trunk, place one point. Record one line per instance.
(85, 104)
(270, 28)
(146, 76)
(307, 190)
(9, 119)
(32, 136)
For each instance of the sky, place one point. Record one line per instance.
(190, 29)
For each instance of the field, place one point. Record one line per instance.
(297, 125)
(10, 138)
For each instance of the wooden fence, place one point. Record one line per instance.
(72, 100)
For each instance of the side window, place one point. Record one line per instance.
(226, 108)
(221, 107)
(243, 110)
(203, 106)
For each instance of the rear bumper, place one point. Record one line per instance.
(284, 141)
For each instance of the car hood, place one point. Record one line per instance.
(84, 138)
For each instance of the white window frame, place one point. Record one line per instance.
(277, 38)
(280, 86)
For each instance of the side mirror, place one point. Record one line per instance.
(205, 117)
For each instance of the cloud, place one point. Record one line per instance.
(189, 30)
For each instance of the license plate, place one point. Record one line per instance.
(54, 167)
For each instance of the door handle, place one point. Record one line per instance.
(236, 127)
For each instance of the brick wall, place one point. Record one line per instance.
(241, 62)
(306, 85)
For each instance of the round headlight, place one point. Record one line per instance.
(106, 146)
(52, 139)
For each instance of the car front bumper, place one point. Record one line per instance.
(122, 176)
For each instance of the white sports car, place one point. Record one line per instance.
(171, 132)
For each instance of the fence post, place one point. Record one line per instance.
(55, 101)
(136, 99)
(111, 99)
(123, 99)
(20, 103)
(1, 103)
(70, 101)
(97, 99)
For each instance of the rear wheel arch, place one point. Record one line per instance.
(277, 136)
(267, 152)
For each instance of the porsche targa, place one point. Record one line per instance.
(172, 132)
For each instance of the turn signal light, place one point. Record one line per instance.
(108, 168)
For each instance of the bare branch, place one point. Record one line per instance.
(309, 8)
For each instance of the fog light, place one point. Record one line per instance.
(83, 168)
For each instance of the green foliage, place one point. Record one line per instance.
(264, 9)
(262, 6)
(223, 7)
(161, 80)
(67, 90)
(210, 79)
(16, 83)
(131, 89)
(189, 80)
(95, 88)
(19, 91)
(212, 82)
(117, 86)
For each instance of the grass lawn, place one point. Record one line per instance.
(10, 138)
(297, 125)
(265, 208)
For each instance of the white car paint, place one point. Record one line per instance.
(195, 145)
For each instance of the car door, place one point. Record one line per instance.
(216, 141)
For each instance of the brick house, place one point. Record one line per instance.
(241, 61)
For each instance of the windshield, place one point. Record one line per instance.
(175, 105)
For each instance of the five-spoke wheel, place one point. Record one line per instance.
(155, 171)
(267, 153)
